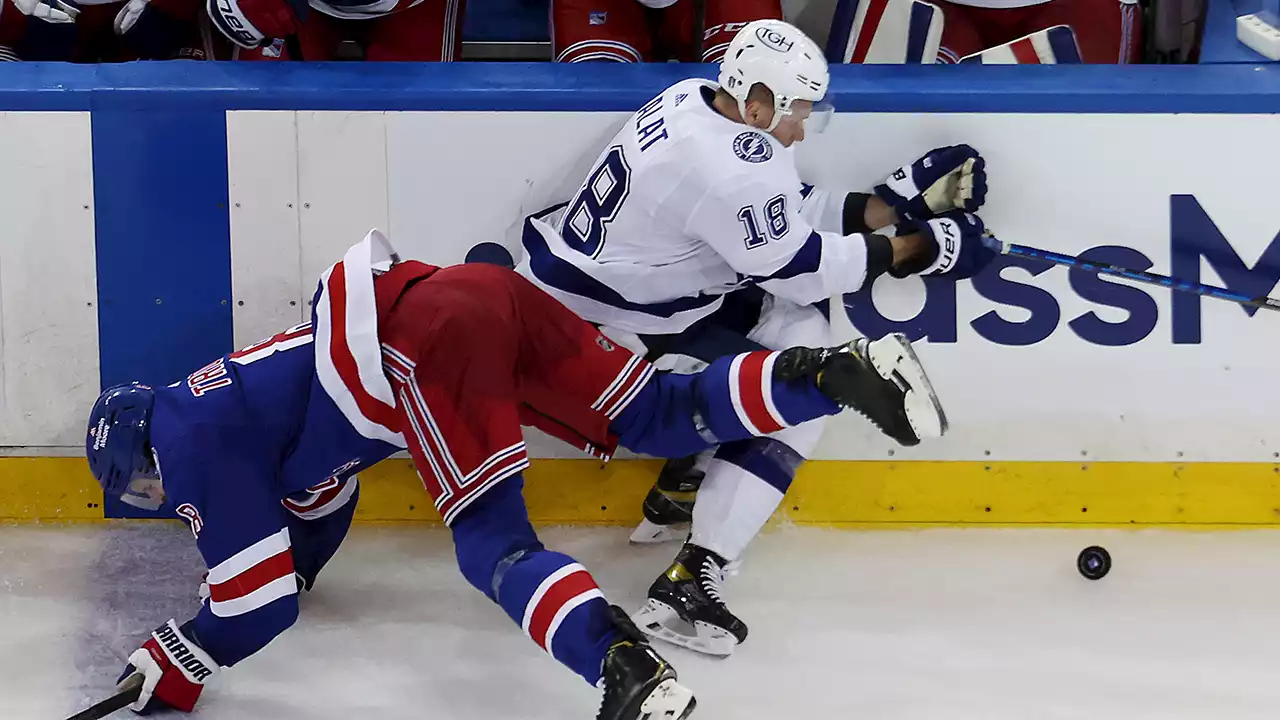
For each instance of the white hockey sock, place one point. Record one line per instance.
(732, 507)
(704, 460)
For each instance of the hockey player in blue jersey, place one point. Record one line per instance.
(259, 452)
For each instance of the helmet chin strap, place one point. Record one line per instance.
(773, 124)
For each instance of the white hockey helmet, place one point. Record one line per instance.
(779, 56)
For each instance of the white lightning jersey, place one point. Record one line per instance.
(683, 206)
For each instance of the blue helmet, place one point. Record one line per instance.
(118, 445)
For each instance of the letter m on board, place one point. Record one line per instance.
(1194, 236)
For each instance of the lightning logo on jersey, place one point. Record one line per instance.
(752, 147)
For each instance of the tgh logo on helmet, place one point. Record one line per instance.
(774, 40)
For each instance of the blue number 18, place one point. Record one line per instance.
(776, 222)
(597, 203)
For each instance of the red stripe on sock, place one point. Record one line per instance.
(565, 590)
(751, 390)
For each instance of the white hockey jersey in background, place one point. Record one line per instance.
(683, 206)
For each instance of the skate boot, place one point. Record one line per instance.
(686, 605)
(668, 508)
(638, 684)
(882, 379)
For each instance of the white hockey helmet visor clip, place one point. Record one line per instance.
(779, 56)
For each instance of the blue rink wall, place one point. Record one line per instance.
(216, 192)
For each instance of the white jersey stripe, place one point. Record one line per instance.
(280, 587)
(610, 46)
(419, 435)
(497, 474)
(617, 382)
(249, 557)
(766, 389)
(312, 511)
(493, 460)
(434, 430)
(360, 339)
(630, 392)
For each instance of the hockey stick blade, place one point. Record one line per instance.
(121, 700)
(1150, 278)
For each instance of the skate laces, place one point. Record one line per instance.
(712, 576)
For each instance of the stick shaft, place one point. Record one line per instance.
(1141, 276)
(699, 28)
(121, 700)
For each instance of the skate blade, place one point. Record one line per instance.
(650, 533)
(895, 359)
(659, 620)
(669, 701)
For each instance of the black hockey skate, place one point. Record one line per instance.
(638, 684)
(882, 379)
(686, 605)
(668, 508)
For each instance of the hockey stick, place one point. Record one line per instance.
(1072, 261)
(119, 701)
(699, 28)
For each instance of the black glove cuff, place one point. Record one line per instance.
(855, 213)
(879, 258)
(921, 262)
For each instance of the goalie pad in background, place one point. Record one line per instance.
(1052, 46)
(893, 32)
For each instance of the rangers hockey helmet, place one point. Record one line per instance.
(118, 444)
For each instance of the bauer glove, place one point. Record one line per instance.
(956, 246)
(252, 23)
(949, 178)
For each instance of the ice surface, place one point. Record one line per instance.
(883, 625)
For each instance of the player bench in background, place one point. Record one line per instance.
(518, 30)
(507, 30)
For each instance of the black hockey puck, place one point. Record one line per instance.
(1094, 562)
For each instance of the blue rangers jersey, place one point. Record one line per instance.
(242, 444)
(267, 437)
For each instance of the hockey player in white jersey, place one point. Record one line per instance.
(693, 209)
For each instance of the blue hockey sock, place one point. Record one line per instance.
(734, 398)
(741, 398)
(548, 594)
(559, 606)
